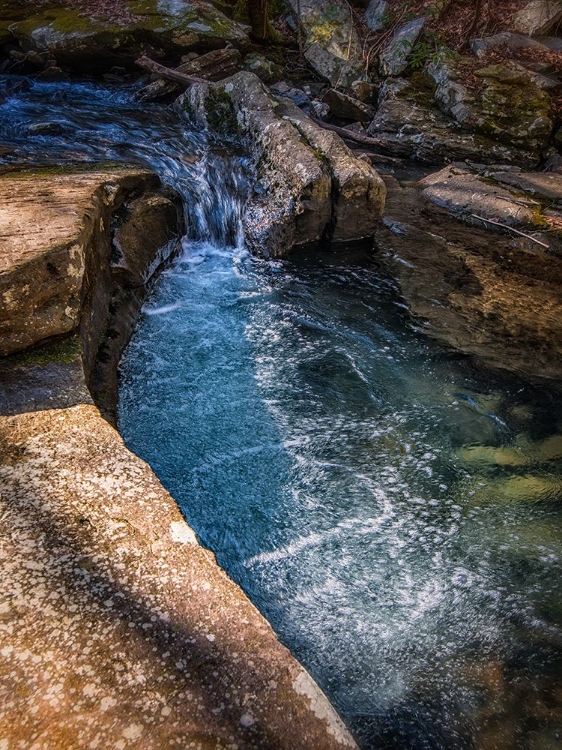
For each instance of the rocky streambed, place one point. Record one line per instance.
(93, 208)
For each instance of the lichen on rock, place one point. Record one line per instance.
(295, 200)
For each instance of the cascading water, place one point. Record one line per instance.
(392, 509)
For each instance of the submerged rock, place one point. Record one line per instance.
(498, 298)
(525, 454)
(310, 188)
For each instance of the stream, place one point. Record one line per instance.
(392, 508)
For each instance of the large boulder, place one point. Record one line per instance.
(78, 251)
(409, 124)
(87, 43)
(358, 192)
(538, 17)
(509, 107)
(43, 263)
(333, 48)
(307, 182)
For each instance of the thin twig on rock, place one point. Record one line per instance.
(363, 140)
(511, 229)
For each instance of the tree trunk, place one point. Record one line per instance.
(257, 11)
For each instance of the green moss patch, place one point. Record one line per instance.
(63, 350)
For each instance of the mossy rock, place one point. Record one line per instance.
(63, 351)
(76, 40)
(509, 107)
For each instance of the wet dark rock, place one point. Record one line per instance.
(393, 60)
(545, 186)
(54, 73)
(376, 15)
(298, 199)
(46, 128)
(554, 163)
(347, 107)
(495, 297)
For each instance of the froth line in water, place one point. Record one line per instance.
(362, 526)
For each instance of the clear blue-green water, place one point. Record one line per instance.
(329, 455)
(392, 508)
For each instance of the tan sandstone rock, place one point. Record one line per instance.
(49, 223)
(117, 629)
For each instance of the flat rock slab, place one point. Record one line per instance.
(48, 224)
(543, 185)
(117, 629)
(466, 195)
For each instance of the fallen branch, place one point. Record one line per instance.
(363, 140)
(213, 66)
(167, 73)
(511, 229)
